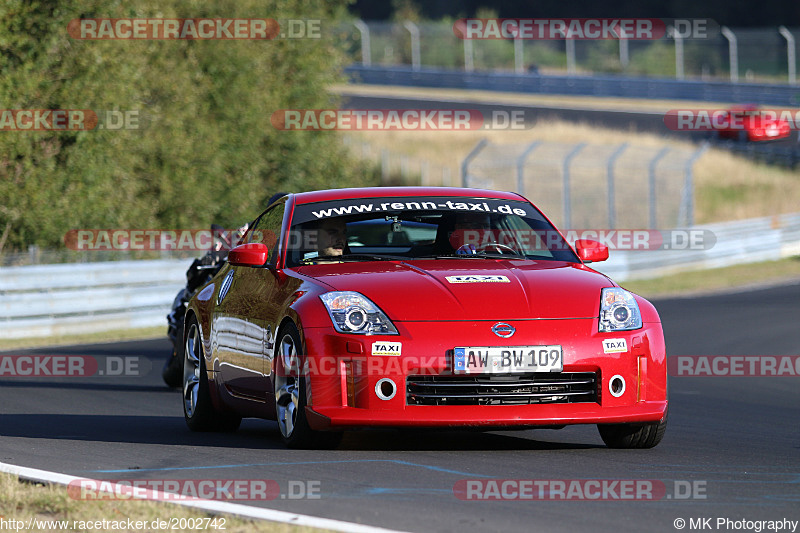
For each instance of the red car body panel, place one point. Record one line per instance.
(547, 302)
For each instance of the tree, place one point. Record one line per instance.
(205, 149)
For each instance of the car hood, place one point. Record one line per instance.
(470, 289)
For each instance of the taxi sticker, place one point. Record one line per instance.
(387, 348)
(615, 346)
(473, 278)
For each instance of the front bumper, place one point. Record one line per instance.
(344, 377)
(484, 416)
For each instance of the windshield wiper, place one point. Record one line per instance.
(479, 255)
(352, 257)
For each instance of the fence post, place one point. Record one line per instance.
(790, 54)
(469, 64)
(652, 180)
(733, 53)
(519, 63)
(521, 165)
(570, 43)
(566, 192)
(33, 254)
(624, 58)
(414, 31)
(366, 51)
(467, 160)
(384, 166)
(612, 209)
(623, 52)
(687, 195)
(676, 35)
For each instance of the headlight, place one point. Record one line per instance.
(353, 312)
(618, 310)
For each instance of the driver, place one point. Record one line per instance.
(471, 230)
(331, 237)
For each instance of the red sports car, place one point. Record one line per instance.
(420, 307)
(750, 123)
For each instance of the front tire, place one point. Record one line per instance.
(633, 436)
(198, 410)
(291, 396)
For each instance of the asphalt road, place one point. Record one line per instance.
(735, 440)
(641, 121)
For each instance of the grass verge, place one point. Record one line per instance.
(550, 100)
(23, 500)
(736, 277)
(86, 338)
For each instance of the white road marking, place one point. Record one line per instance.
(213, 506)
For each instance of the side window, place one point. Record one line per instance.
(267, 230)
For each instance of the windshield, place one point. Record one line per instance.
(432, 228)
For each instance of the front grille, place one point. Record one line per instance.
(521, 389)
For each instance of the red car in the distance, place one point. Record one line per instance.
(749, 123)
(420, 307)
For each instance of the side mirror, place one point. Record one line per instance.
(591, 251)
(253, 254)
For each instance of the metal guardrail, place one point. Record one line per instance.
(738, 242)
(598, 85)
(45, 300)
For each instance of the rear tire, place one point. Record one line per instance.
(633, 436)
(198, 410)
(290, 396)
(172, 373)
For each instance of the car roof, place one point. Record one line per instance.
(389, 192)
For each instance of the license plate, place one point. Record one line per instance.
(507, 359)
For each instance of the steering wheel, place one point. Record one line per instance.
(501, 248)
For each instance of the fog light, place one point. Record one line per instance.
(385, 389)
(616, 386)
